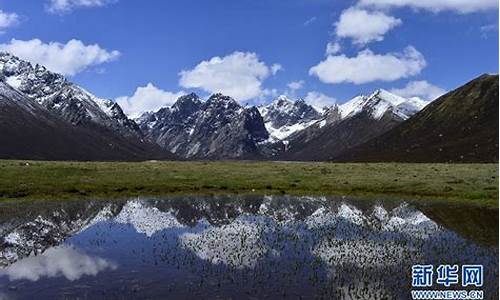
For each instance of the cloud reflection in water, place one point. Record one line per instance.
(59, 261)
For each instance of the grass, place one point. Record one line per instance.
(472, 183)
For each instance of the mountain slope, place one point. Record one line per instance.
(461, 126)
(218, 128)
(42, 116)
(348, 125)
(66, 99)
(29, 131)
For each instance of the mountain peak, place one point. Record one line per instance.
(460, 126)
(282, 100)
(300, 101)
(191, 95)
(284, 116)
(217, 128)
(378, 103)
(387, 96)
(187, 103)
(219, 99)
(69, 101)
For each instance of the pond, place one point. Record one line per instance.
(236, 247)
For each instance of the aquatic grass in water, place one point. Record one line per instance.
(240, 247)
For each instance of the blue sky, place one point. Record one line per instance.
(415, 47)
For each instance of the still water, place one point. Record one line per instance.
(236, 247)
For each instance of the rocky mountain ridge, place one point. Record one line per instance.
(218, 128)
(66, 99)
(45, 116)
(191, 127)
(352, 123)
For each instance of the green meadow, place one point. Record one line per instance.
(27, 180)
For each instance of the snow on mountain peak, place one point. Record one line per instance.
(284, 116)
(283, 98)
(69, 101)
(380, 102)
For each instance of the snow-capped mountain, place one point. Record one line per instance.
(44, 116)
(220, 128)
(284, 117)
(460, 126)
(381, 102)
(217, 128)
(66, 99)
(350, 124)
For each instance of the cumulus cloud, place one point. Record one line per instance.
(368, 67)
(421, 89)
(364, 26)
(55, 262)
(239, 75)
(319, 100)
(296, 85)
(332, 48)
(460, 6)
(8, 20)
(66, 6)
(67, 59)
(147, 98)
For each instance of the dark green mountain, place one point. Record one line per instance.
(461, 126)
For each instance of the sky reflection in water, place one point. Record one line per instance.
(240, 247)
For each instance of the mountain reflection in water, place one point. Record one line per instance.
(234, 247)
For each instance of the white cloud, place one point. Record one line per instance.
(421, 89)
(364, 26)
(66, 6)
(460, 6)
(319, 100)
(7, 20)
(332, 48)
(266, 93)
(147, 98)
(275, 68)
(296, 85)
(55, 262)
(487, 30)
(239, 75)
(68, 59)
(310, 21)
(368, 66)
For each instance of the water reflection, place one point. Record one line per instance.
(67, 262)
(239, 247)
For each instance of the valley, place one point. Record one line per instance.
(249, 149)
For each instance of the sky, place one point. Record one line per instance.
(145, 54)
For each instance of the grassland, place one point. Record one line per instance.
(474, 183)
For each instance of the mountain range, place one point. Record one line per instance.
(349, 125)
(45, 116)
